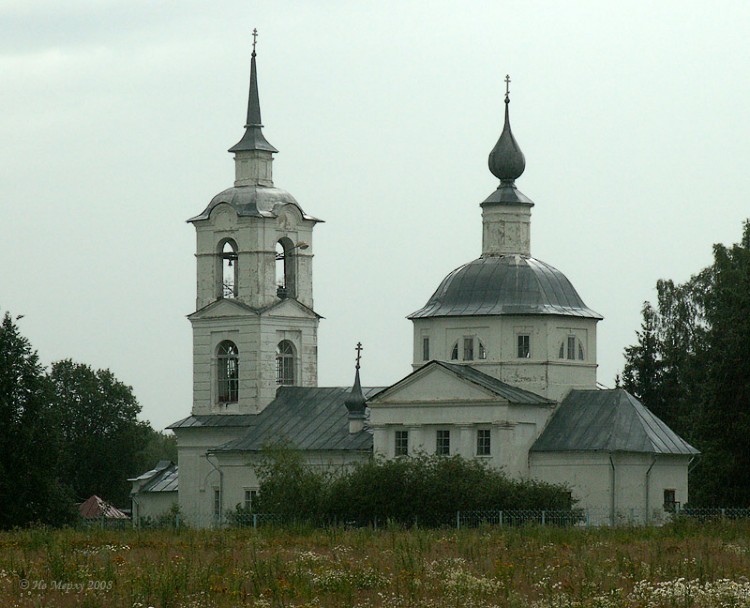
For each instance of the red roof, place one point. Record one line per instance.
(96, 508)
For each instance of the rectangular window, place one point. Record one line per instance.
(571, 347)
(670, 501)
(524, 346)
(425, 349)
(217, 503)
(482, 351)
(468, 349)
(249, 499)
(402, 443)
(484, 445)
(443, 443)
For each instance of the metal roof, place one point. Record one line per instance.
(217, 420)
(309, 418)
(505, 285)
(608, 421)
(160, 466)
(166, 481)
(94, 507)
(253, 201)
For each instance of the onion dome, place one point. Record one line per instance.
(505, 285)
(355, 401)
(506, 161)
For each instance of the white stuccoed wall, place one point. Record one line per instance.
(543, 373)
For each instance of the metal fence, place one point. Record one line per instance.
(461, 519)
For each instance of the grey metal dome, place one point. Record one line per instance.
(254, 201)
(505, 285)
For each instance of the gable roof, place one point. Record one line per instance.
(242, 307)
(608, 421)
(512, 394)
(94, 507)
(309, 418)
(162, 478)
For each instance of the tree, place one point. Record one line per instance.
(691, 367)
(29, 442)
(159, 446)
(726, 419)
(101, 436)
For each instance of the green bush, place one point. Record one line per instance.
(426, 490)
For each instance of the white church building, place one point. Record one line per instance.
(504, 362)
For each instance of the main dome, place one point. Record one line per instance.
(505, 285)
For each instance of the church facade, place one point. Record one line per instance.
(503, 368)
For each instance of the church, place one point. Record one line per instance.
(503, 367)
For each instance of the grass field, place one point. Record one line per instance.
(681, 565)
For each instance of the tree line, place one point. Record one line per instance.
(66, 433)
(691, 367)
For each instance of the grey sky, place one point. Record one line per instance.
(115, 117)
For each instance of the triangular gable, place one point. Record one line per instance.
(224, 307)
(289, 307)
(433, 383)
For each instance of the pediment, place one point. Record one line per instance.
(225, 307)
(433, 384)
(290, 307)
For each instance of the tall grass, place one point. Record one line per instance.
(686, 565)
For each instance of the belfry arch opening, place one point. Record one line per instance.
(228, 271)
(286, 267)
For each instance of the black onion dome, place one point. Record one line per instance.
(505, 285)
(506, 161)
(355, 401)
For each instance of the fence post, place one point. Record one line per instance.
(458, 520)
(255, 521)
(588, 518)
(723, 512)
(543, 516)
(501, 518)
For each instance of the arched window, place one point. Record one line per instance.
(472, 348)
(227, 283)
(286, 286)
(570, 349)
(285, 364)
(228, 376)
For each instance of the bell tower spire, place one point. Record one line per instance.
(253, 154)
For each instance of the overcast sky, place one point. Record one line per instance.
(115, 118)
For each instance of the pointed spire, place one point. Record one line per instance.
(506, 161)
(355, 402)
(253, 138)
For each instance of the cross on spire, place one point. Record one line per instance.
(507, 88)
(255, 39)
(359, 352)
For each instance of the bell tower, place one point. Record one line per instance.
(254, 328)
